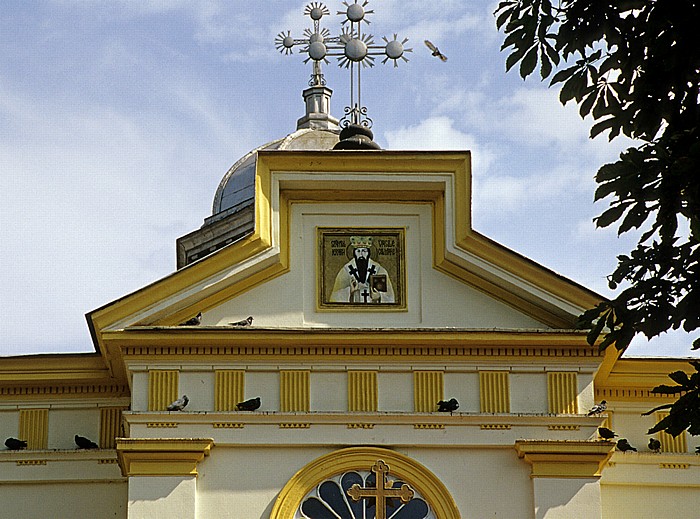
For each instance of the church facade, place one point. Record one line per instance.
(406, 366)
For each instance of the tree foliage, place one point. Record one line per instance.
(633, 66)
(684, 413)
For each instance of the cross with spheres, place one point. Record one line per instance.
(353, 48)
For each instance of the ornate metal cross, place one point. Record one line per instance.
(354, 49)
(384, 489)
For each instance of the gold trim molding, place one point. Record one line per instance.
(565, 459)
(161, 456)
(360, 458)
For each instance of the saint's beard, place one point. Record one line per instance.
(362, 264)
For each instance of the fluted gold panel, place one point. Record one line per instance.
(162, 389)
(229, 389)
(562, 392)
(670, 443)
(294, 391)
(494, 391)
(34, 428)
(110, 426)
(427, 390)
(362, 391)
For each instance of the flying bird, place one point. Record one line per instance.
(606, 433)
(249, 405)
(195, 321)
(624, 446)
(245, 322)
(448, 406)
(654, 445)
(598, 408)
(85, 443)
(15, 445)
(179, 404)
(435, 51)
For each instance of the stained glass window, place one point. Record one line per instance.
(330, 500)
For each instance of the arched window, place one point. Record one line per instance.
(344, 484)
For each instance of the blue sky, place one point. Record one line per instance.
(118, 120)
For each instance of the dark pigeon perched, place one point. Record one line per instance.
(15, 445)
(654, 445)
(606, 433)
(194, 321)
(85, 443)
(624, 446)
(249, 405)
(448, 406)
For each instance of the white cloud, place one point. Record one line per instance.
(439, 133)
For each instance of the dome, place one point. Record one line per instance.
(237, 189)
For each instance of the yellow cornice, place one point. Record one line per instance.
(565, 459)
(632, 379)
(161, 456)
(362, 458)
(304, 176)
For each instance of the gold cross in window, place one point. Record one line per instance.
(384, 489)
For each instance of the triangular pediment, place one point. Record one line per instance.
(414, 205)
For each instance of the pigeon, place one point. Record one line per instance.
(249, 405)
(195, 321)
(606, 433)
(598, 408)
(245, 322)
(15, 445)
(85, 443)
(448, 406)
(436, 51)
(654, 445)
(624, 446)
(179, 404)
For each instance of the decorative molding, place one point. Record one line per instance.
(627, 394)
(228, 425)
(674, 465)
(565, 459)
(63, 391)
(360, 426)
(295, 425)
(429, 426)
(161, 456)
(564, 427)
(162, 425)
(495, 426)
(113, 461)
(25, 463)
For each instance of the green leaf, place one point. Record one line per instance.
(610, 216)
(529, 62)
(595, 331)
(601, 126)
(659, 408)
(680, 377)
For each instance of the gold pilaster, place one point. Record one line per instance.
(427, 390)
(294, 390)
(34, 428)
(362, 391)
(229, 389)
(494, 391)
(671, 443)
(110, 425)
(162, 388)
(562, 392)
